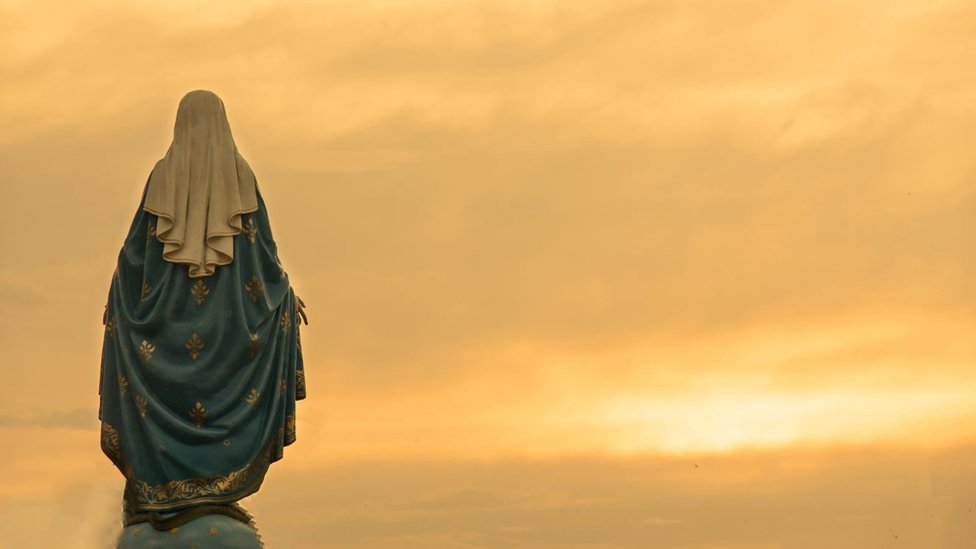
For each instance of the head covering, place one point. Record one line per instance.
(201, 187)
(199, 375)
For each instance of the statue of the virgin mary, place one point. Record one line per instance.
(202, 359)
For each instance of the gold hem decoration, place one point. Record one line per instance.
(227, 488)
(290, 429)
(300, 383)
(111, 444)
(214, 489)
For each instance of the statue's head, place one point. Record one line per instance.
(201, 114)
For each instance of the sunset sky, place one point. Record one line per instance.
(579, 274)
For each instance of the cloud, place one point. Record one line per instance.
(514, 211)
(855, 497)
(78, 418)
(577, 181)
(829, 496)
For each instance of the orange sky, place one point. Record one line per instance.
(591, 244)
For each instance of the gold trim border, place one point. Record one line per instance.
(214, 489)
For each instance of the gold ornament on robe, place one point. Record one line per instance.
(198, 414)
(141, 402)
(111, 442)
(146, 350)
(199, 291)
(254, 287)
(290, 429)
(250, 230)
(194, 345)
(253, 398)
(123, 384)
(213, 489)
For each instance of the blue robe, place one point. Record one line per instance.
(199, 377)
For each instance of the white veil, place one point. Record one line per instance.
(200, 188)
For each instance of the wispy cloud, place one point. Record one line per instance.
(532, 229)
(842, 497)
(79, 418)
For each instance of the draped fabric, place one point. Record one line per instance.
(201, 187)
(199, 376)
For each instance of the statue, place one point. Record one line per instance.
(202, 360)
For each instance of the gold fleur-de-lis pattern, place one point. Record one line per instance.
(146, 350)
(141, 403)
(251, 230)
(138, 348)
(253, 398)
(200, 291)
(198, 414)
(253, 344)
(194, 345)
(254, 287)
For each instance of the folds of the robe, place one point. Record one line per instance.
(199, 377)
